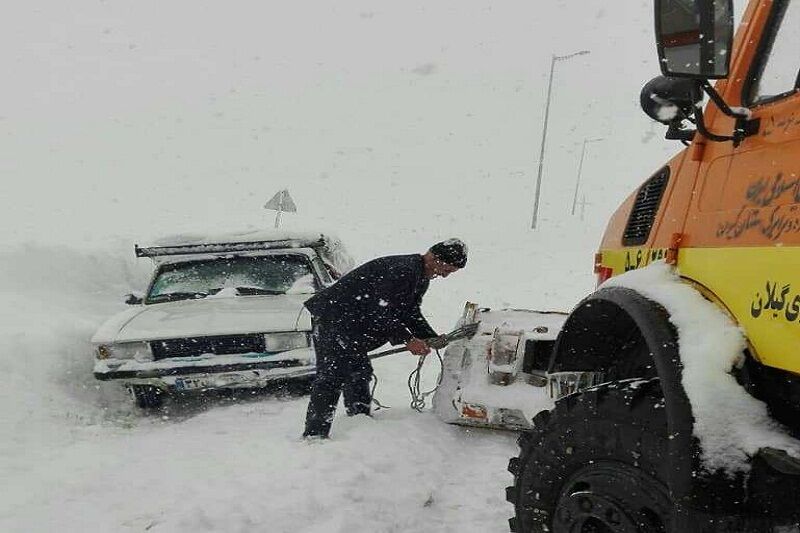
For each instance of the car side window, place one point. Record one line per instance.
(322, 270)
(780, 66)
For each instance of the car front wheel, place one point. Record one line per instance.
(147, 396)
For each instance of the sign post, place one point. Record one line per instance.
(281, 202)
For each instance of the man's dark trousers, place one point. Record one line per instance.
(341, 366)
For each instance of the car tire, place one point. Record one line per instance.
(303, 386)
(597, 462)
(147, 396)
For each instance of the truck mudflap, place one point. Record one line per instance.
(690, 520)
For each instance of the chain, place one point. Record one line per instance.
(418, 396)
(378, 405)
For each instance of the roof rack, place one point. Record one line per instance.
(209, 248)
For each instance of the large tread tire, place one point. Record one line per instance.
(597, 462)
(147, 396)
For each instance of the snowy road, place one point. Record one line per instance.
(76, 456)
(243, 468)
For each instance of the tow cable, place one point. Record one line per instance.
(418, 396)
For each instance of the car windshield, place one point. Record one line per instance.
(233, 276)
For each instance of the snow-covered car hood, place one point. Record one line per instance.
(206, 317)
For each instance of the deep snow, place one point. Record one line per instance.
(395, 124)
(76, 456)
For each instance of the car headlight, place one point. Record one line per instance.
(282, 342)
(102, 351)
(124, 350)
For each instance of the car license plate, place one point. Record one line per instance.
(191, 383)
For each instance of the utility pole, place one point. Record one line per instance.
(553, 60)
(580, 168)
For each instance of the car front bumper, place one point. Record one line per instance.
(210, 371)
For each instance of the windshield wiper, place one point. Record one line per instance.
(172, 296)
(244, 291)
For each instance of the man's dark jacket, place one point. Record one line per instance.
(376, 303)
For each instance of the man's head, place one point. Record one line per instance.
(445, 257)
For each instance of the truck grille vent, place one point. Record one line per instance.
(194, 346)
(645, 208)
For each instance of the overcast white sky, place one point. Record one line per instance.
(393, 124)
(139, 118)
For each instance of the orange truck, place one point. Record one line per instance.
(624, 456)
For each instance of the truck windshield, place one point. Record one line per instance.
(236, 276)
(780, 66)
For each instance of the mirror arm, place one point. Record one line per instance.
(701, 127)
(720, 103)
(675, 132)
(745, 126)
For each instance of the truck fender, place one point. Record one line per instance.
(592, 338)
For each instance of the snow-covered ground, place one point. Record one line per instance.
(76, 456)
(394, 124)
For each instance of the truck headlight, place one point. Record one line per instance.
(282, 342)
(125, 350)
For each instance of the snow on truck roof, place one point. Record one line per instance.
(183, 246)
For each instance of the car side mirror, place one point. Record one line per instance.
(694, 37)
(134, 299)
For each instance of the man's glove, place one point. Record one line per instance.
(418, 347)
(437, 343)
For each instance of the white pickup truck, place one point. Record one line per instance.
(221, 312)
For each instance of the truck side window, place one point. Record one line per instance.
(780, 63)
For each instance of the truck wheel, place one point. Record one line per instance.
(597, 463)
(147, 396)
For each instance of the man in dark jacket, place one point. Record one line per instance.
(371, 305)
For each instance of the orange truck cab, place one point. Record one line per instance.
(726, 213)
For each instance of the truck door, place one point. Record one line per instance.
(743, 229)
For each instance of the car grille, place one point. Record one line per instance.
(194, 346)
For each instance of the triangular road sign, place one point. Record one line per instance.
(282, 202)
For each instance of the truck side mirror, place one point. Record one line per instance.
(694, 37)
(669, 99)
(672, 101)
